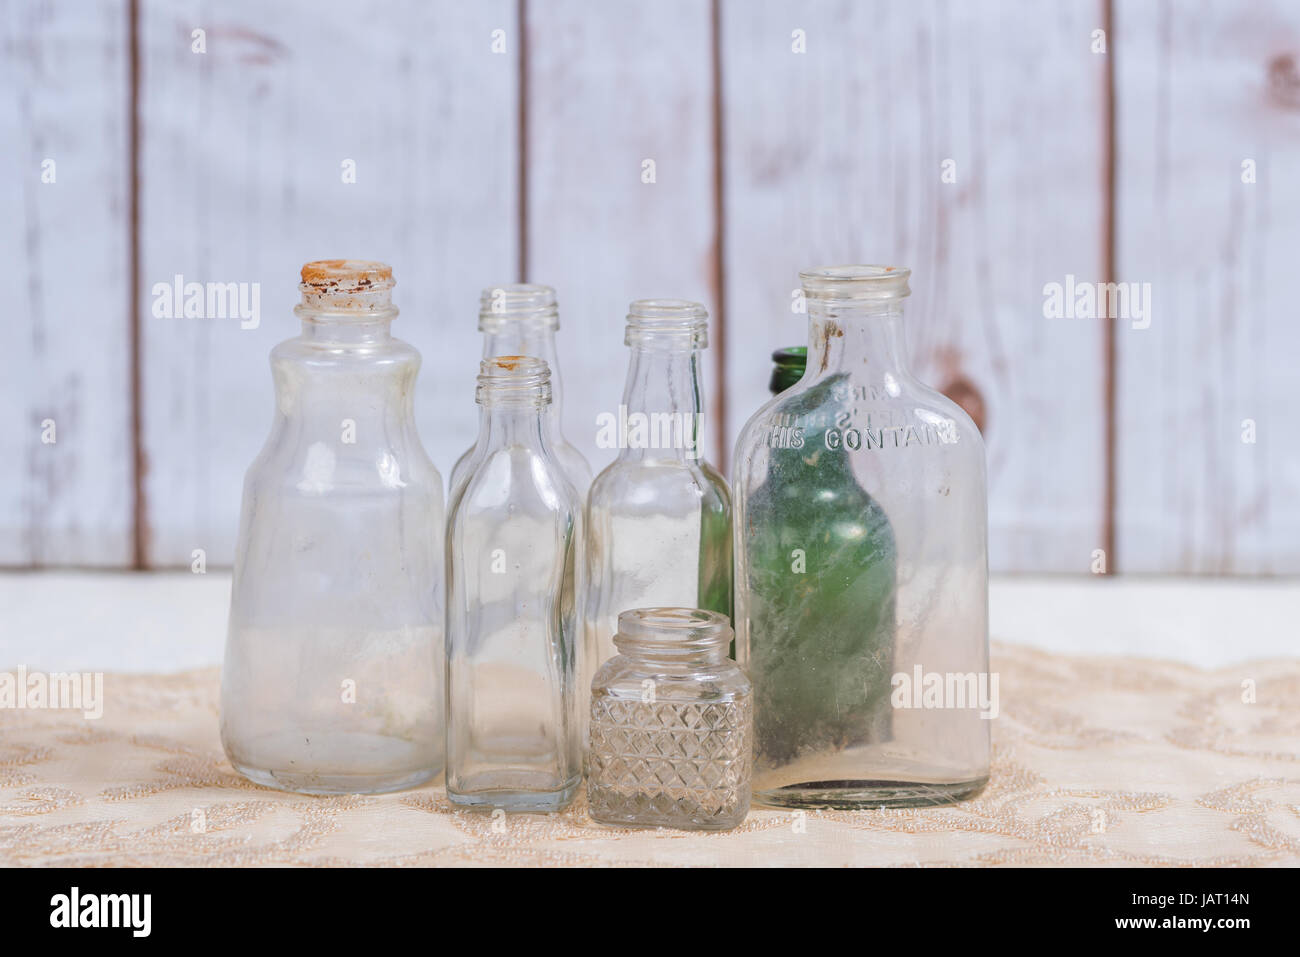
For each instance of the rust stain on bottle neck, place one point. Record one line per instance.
(822, 334)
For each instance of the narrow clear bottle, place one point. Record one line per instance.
(333, 676)
(862, 572)
(513, 528)
(659, 516)
(521, 319)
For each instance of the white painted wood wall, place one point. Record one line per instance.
(476, 167)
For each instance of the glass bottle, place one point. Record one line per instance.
(521, 319)
(788, 367)
(671, 724)
(659, 516)
(861, 576)
(513, 527)
(333, 675)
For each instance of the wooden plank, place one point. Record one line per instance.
(64, 99)
(610, 86)
(1203, 90)
(243, 156)
(836, 155)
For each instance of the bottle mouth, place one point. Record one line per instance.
(675, 321)
(855, 283)
(513, 381)
(359, 288)
(517, 302)
(672, 631)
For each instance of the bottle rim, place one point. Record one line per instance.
(517, 302)
(672, 630)
(855, 283)
(669, 321)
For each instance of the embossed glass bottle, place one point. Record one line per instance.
(861, 572)
(333, 669)
(521, 319)
(659, 516)
(514, 523)
(671, 724)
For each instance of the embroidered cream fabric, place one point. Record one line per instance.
(1105, 761)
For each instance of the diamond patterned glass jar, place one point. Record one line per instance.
(672, 722)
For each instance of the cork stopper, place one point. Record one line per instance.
(348, 286)
(346, 275)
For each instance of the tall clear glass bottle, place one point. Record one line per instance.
(333, 676)
(659, 516)
(521, 319)
(514, 524)
(861, 572)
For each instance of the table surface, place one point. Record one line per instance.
(1142, 722)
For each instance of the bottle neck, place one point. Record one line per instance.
(514, 397)
(524, 338)
(663, 391)
(348, 332)
(514, 427)
(865, 341)
(667, 659)
(788, 367)
(345, 303)
(346, 369)
(673, 638)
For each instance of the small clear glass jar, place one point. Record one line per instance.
(672, 722)
(514, 585)
(861, 567)
(333, 678)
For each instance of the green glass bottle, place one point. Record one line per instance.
(788, 368)
(821, 555)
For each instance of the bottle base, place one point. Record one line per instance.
(310, 782)
(858, 795)
(313, 761)
(683, 823)
(518, 800)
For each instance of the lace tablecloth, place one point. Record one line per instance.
(1106, 761)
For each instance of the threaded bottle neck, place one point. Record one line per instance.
(513, 383)
(673, 636)
(672, 325)
(521, 306)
